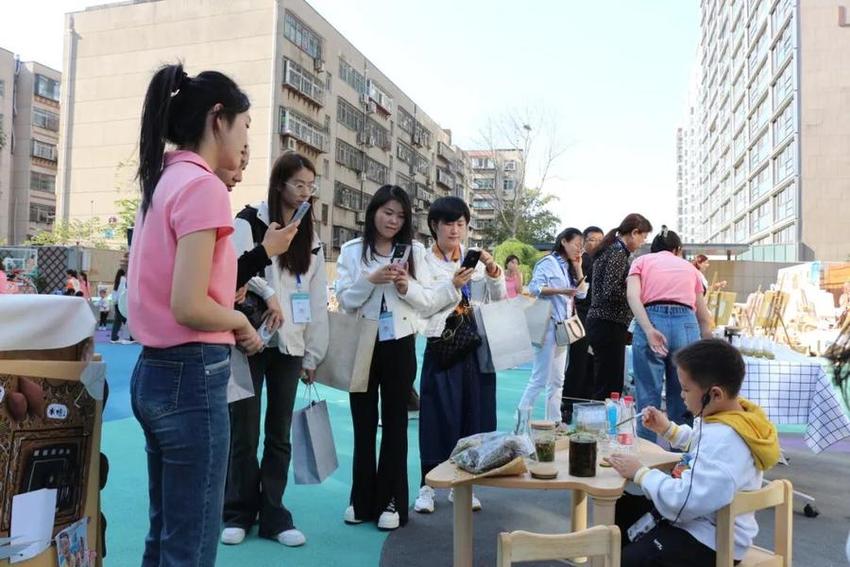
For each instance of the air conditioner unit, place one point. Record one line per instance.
(417, 140)
(371, 107)
(318, 65)
(364, 99)
(370, 141)
(290, 145)
(360, 217)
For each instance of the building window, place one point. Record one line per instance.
(483, 205)
(302, 36)
(483, 163)
(405, 183)
(784, 85)
(759, 117)
(47, 88)
(377, 134)
(302, 128)
(760, 184)
(303, 81)
(782, 49)
(405, 121)
(787, 235)
(784, 124)
(349, 156)
(741, 200)
(741, 230)
(785, 203)
(423, 166)
(42, 214)
(347, 197)
(376, 171)
(760, 218)
(45, 119)
(509, 184)
(484, 183)
(42, 182)
(2, 88)
(405, 153)
(351, 76)
(43, 150)
(759, 151)
(784, 165)
(349, 116)
(342, 234)
(757, 86)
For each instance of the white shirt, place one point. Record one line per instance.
(356, 293)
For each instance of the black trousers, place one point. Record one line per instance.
(116, 324)
(664, 546)
(257, 487)
(608, 340)
(578, 377)
(103, 316)
(392, 374)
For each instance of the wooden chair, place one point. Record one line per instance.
(778, 494)
(599, 541)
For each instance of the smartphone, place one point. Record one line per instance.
(471, 258)
(300, 211)
(265, 333)
(581, 281)
(400, 253)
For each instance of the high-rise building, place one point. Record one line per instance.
(311, 91)
(497, 170)
(688, 165)
(774, 131)
(29, 134)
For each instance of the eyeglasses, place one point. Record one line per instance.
(301, 187)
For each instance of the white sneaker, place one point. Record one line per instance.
(115, 341)
(291, 538)
(389, 518)
(232, 536)
(127, 342)
(425, 501)
(349, 517)
(476, 503)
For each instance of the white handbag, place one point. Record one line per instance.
(538, 314)
(349, 358)
(509, 343)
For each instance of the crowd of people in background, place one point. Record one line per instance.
(208, 297)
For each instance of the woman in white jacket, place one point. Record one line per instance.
(377, 284)
(294, 286)
(459, 400)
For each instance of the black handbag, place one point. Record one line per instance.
(254, 307)
(460, 337)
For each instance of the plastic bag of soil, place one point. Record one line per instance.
(483, 452)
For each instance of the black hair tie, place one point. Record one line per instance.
(182, 82)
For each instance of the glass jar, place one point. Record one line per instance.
(543, 433)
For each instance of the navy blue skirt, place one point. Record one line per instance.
(453, 403)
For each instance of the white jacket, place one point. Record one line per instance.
(308, 340)
(356, 294)
(436, 275)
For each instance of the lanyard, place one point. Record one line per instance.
(298, 282)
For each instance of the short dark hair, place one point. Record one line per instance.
(446, 209)
(713, 362)
(666, 241)
(511, 257)
(591, 229)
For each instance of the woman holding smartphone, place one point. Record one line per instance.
(459, 400)
(557, 278)
(294, 286)
(376, 278)
(183, 277)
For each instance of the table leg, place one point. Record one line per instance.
(579, 511)
(603, 515)
(463, 525)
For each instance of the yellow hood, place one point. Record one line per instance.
(755, 429)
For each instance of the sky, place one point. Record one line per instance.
(611, 76)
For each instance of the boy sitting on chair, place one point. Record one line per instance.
(728, 448)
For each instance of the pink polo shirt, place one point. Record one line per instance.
(666, 277)
(188, 198)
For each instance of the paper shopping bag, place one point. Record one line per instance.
(349, 358)
(508, 339)
(313, 449)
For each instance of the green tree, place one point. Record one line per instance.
(531, 221)
(127, 208)
(89, 233)
(527, 254)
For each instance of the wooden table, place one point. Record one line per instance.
(604, 489)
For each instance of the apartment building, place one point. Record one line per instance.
(773, 128)
(29, 135)
(312, 91)
(491, 171)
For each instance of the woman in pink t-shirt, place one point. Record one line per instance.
(665, 294)
(181, 288)
(513, 276)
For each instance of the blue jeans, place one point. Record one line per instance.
(179, 396)
(679, 325)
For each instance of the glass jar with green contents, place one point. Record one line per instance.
(543, 433)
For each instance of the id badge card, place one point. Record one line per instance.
(386, 328)
(301, 308)
(642, 527)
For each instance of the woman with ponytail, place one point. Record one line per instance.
(609, 316)
(183, 279)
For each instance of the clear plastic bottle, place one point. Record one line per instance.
(627, 432)
(612, 408)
